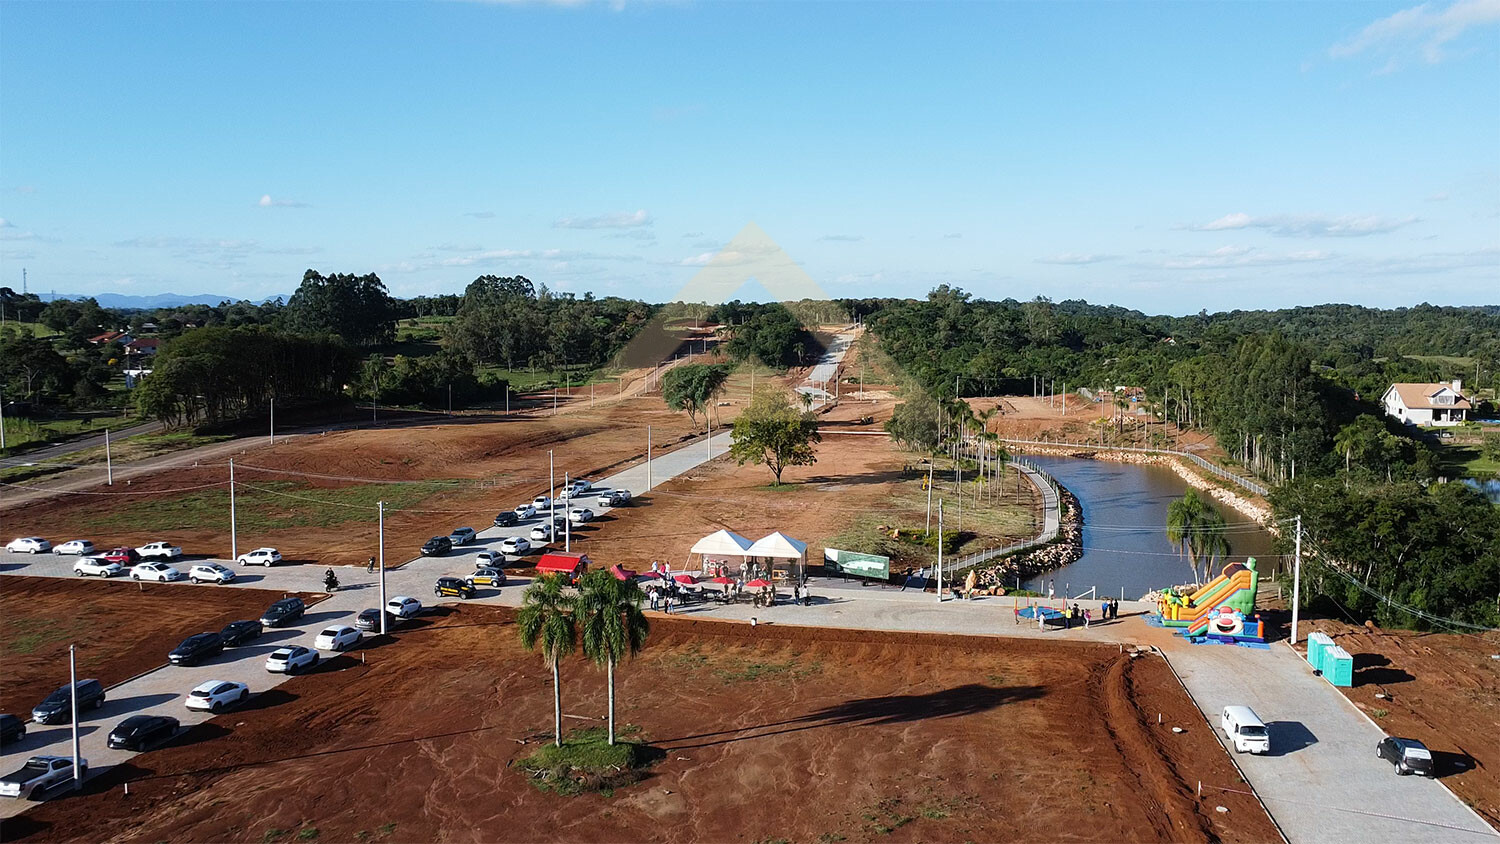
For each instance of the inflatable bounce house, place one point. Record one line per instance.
(1222, 610)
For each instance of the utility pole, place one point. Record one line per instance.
(73, 704)
(551, 499)
(928, 529)
(507, 397)
(273, 420)
(234, 547)
(2, 421)
(1296, 580)
(940, 553)
(109, 465)
(710, 416)
(381, 505)
(648, 458)
(567, 518)
(450, 398)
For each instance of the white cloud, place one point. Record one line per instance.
(699, 260)
(458, 247)
(693, 234)
(1440, 196)
(1076, 258)
(1231, 257)
(1431, 262)
(844, 238)
(267, 202)
(1306, 225)
(6, 224)
(617, 220)
(1424, 29)
(25, 188)
(952, 236)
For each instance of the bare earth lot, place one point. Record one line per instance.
(769, 733)
(121, 629)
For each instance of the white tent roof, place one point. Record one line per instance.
(778, 545)
(722, 543)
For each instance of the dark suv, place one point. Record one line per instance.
(240, 632)
(11, 728)
(195, 649)
(139, 732)
(1408, 756)
(58, 707)
(507, 518)
(283, 612)
(437, 546)
(452, 587)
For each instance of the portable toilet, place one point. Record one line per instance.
(1338, 666)
(1317, 644)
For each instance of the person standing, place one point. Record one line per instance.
(1050, 593)
(1086, 619)
(1041, 619)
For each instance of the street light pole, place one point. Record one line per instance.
(551, 499)
(928, 529)
(940, 553)
(1296, 580)
(73, 704)
(381, 505)
(2, 421)
(109, 464)
(234, 546)
(567, 520)
(648, 458)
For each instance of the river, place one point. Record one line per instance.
(1124, 529)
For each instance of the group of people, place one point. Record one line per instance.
(1072, 614)
(665, 596)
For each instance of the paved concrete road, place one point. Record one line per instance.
(66, 448)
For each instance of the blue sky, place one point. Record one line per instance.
(1164, 156)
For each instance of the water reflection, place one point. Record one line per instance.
(1490, 488)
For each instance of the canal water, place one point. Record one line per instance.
(1124, 529)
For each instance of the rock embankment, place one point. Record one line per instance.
(1066, 549)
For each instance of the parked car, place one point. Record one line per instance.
(437, 546)
(403, 606)
(525, 511)
(1408, 756)
(210, 573)
(1245, 731)
(461, 536)
(11, 728)
(540, 533)
(122, 555)
(77, 547)
(453, 587)
(487, 576)
(217, 695)
(283, 612)
(516, 545)
(57, 708)
(614, 498)
(506, 518)
(160, 572)
(260, 557)
(336, 638)
(28, 545)
(160, 551)
(139, 732)
(541, 502)
(489, 559)
(196, 648)
(580, 515)
(39, 774)
(369, 620)
(291, 659)
(97, 567)
(239, 632)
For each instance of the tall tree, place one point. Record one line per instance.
(1184, 516)
(692, 387)
(612, 624)
(772, 432)
(546, 620)
(356, 308)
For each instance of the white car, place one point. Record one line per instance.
(217, 695)
(336, 638)
(160, 572)
(260, 557)
(540, 533)
(79, 547)
(541, 502)
(97, 567)
(613, 498)
(210, 573)
(160, 550)
(580, 515)
(461, 536)
(525, 511)
(291, 659)
(403, 606)
(516, 544)
(28, 545)
(488, 559)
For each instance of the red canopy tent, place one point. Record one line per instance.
(621, 573)
(571, 566)
(758, 583)
(686, 579)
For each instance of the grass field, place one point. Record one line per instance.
(27, 433)
(35, 329)
(138, 447)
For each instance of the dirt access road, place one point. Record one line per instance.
(769, 732)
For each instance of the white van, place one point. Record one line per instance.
(1245, 731)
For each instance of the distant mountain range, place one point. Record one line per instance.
(157, 300)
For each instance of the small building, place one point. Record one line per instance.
(1427, 404)
(111, 337)
(142, 347)
(570, 566)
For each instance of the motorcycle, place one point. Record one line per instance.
(330, 584)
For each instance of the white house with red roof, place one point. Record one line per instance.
(1427, 404)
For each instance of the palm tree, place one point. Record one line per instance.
(609, 612)
(1183, 519)
(1212, 540)
(546, 618)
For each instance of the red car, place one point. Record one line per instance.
(122, 555)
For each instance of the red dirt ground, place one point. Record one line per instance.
(41, 616)
(769, 733)
(1442, 689)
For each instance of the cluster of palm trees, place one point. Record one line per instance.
(975, 427)
(1199, 531)
(603, 615)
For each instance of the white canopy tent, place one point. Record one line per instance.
(722, 544)
(779, 546)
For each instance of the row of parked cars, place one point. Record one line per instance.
(84, 547)
(548, 530)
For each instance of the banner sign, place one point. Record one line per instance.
(860, 565)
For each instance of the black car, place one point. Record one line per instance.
(437, 546)
(11, 728)
(240, 632)
(507, 518)
(1409, 756)
(453, 587)
(58, 707)
(195, 649)
(139, 732)
(283, 612)
(369, 621)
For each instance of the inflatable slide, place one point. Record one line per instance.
(1233, 591)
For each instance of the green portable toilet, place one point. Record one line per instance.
(1317, 645)
(1338, 666)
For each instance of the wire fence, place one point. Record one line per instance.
(1051, 505)
(1213, 468)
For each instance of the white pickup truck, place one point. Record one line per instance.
(39, 774)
